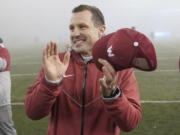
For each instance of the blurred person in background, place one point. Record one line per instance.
(6, 122)
(79, 98)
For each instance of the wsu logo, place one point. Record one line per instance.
(109, 52)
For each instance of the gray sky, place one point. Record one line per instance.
(26, 21)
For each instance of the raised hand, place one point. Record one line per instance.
(108, 82)
(54, 68)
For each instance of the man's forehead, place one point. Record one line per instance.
(80, 13)
(83, 17)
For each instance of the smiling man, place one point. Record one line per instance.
(79, 98)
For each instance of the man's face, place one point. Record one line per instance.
(83, 32)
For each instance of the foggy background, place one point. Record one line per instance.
(28, 22)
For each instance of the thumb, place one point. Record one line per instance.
(105, 91)
(102, 84)
(66, 58)
(44, 58)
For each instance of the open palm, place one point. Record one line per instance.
(54, 68)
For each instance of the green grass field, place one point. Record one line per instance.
(163, 84)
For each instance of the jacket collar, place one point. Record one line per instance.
(78, 58)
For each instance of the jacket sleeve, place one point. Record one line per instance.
(4, 59)
(40, 98)
(126, 110)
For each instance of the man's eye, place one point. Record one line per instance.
(83, 27)
(71, 28)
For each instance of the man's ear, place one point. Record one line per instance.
(102, 29)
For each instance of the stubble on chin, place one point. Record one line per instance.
(78, 50)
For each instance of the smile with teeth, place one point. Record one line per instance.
(78, 43)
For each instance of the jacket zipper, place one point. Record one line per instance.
(83, 99)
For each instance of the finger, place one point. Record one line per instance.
(55, 49)
(44, 56)
(108, 76)
(103, 87)
(66, 58)
(48, 50)
(52, 48)
(108, 66)
(102, 84)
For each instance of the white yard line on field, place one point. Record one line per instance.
(25, 63)
(17, 103)
(21, 58)
(22, 75)
(34, 74)
(164, 70)
(160, 101)
(167, 58)
(143, 102)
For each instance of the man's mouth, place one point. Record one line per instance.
(78, 43)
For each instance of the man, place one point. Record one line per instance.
(6, 122)
(80, 99)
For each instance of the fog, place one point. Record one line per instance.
(26, 22)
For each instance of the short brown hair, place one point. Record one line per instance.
(97, 15)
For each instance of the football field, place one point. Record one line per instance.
(160, 92)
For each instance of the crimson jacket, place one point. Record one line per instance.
(76, 106)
